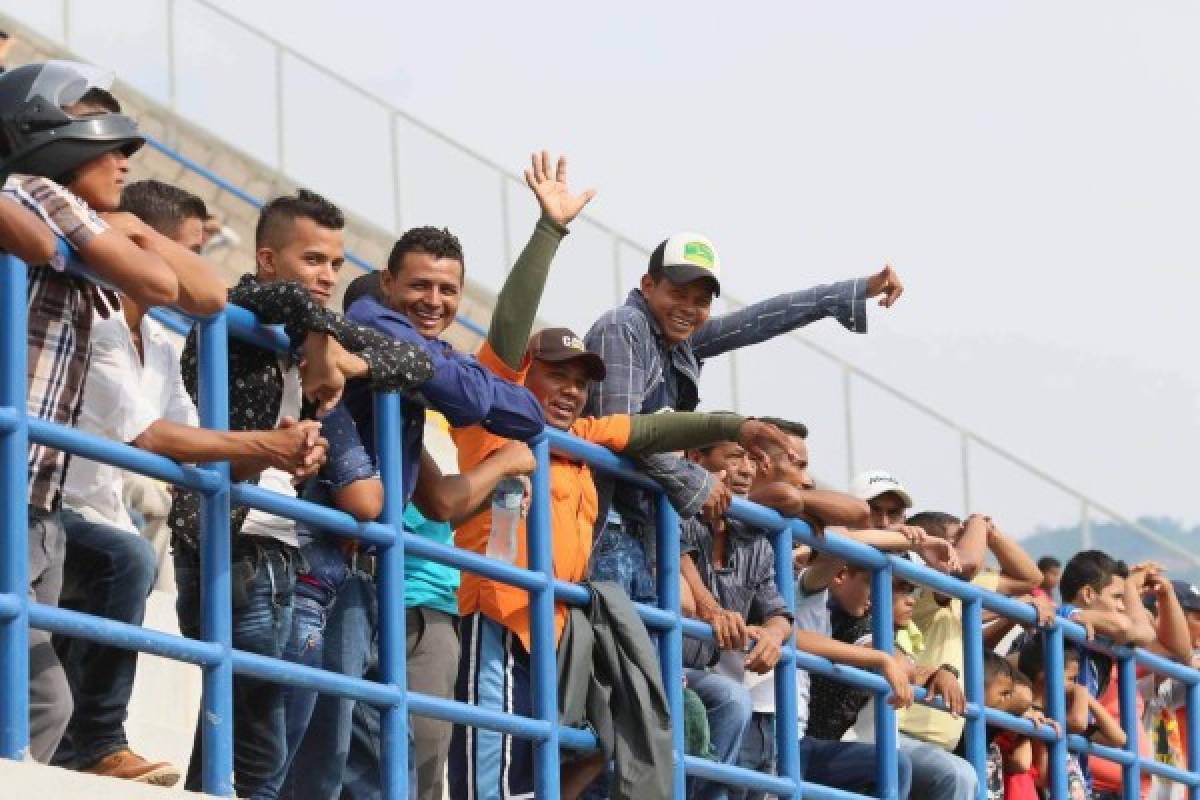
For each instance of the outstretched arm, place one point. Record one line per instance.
(201, 290)
(846, 301)
(518, 300)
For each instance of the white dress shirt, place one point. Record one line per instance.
(123, 397)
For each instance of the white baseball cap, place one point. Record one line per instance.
(687, 257)
(872, 483)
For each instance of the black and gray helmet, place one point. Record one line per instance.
(37, 137)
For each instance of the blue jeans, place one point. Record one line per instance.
(263, 577)
(322, 561)
(758, 753)
(851, 766)
(323, 768)
(619, 556)
(108, 572)
(937, 773)
(729, 710)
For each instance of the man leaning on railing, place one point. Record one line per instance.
(64, 153)
(300, 249)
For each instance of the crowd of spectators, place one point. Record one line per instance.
(301, 425)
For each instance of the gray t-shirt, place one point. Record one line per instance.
(812, 614)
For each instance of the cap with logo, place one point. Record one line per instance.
(871, 484)
(556, 345)
(687, 257)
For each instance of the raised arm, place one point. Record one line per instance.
(201, 290)
(1018, 572)
(518, 300)
(822, 505)
(972, 545)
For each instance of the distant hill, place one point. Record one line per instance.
(1120, 542)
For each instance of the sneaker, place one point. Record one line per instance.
(128, 765)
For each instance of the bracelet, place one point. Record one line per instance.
(952, 670)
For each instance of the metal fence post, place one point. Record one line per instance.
(973, 683)
(670, 642)
(392, 644)
(1131, 774)
(848, 413)
(787, 742)
(542, 661)
(1193, 744)
(883, 636)
(14, 502)
(216, 619)
(1056, 708)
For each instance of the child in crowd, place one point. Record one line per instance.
(1081, 706)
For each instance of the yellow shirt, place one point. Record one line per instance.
(942, 630)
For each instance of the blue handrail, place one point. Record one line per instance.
(215, 654)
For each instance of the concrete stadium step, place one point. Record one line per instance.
(27, 781)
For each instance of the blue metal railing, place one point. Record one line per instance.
(214, 653)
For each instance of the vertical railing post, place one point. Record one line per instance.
(1056, 708)
(848, 413)
(964, 445)
(542, 661)
(883, 636)
(670, 642)
(216, 619)
(1193, 744)
(787, 743)
(618, 284)
(973, 683)
(397, 201)
(392, 646)
(14, 502)
(1131, 723)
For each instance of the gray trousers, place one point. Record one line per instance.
(49, 694)
(432, 669)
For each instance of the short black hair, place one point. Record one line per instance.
(437, 242)
(162, 206)
(995, 666)
(1031, 661)
(284, 211)
(934, 523)
(1048, 562)
(791, 428)
(1093, 568)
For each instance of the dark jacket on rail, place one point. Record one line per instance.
(608, 676)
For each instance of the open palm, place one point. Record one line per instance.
(551, 189)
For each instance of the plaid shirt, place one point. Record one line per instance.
(645, 374)
(60, 328)
(745, 584)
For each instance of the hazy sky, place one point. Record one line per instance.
(1031, 169)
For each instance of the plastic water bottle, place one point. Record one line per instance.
(506, 515)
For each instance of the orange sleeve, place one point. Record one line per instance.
(475, 443)
(612, 431)
(487, 356)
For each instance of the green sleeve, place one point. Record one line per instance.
(517, 302)
(662, 433)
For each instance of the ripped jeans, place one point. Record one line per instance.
(263, 578)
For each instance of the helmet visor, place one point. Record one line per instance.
(63, 83)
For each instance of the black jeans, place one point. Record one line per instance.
(108, 572)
